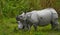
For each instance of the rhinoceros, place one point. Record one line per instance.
(38, 18)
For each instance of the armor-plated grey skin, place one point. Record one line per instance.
(40, 18)
(21, 22)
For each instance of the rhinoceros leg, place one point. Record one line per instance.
(29, 26)
(25, 25)
(35, 26)
(54, 23)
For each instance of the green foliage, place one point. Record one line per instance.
(11, 8)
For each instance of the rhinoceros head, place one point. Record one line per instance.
(22, 16)
(20, 20)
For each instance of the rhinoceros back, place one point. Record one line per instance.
(43, 17)
(46, 16)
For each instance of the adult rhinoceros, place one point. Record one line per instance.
(38, 18)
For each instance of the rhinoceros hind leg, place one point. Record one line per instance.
(54, 24)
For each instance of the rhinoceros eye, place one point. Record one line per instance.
(21, 16)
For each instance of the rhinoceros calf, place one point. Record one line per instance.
(39, 18)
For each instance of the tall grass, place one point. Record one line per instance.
(9, 27)
(11, 8)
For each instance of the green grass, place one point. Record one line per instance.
(9, 27)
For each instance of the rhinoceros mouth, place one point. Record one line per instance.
(20, 25)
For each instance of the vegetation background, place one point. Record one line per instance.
(9, 9)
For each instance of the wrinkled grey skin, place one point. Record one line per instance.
(21, 23)
(39, 18)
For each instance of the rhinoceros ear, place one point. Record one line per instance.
(23, 12)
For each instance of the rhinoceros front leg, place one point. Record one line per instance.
(25, 25)
(35, 26)
(54, 24)
(29, 26)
